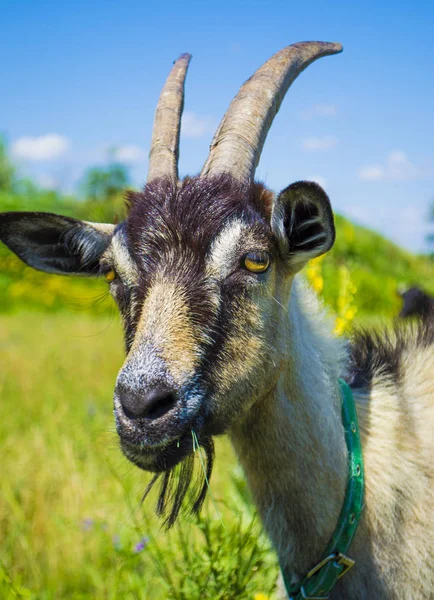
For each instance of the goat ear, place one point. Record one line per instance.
(302, 220)
(55, 244)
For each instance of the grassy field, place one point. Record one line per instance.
(71, 521)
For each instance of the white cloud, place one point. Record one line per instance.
(322, 144)
(396, 167)
(194, 126)
(396, 157)
(322, 181)
(44, 147)
(371, 173)
(128, 154)
(319, 110)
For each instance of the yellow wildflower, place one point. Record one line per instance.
(314, 274)
(346, 307)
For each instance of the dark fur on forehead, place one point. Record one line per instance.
(191, 213)
(170, 230)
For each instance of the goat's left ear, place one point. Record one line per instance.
(302, 221)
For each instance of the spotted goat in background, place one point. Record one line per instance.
(223, 336)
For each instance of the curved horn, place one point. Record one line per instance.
(164, 152)
(238, 141)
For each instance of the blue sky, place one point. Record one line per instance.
(81, 77)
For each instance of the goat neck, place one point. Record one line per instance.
(292, 445)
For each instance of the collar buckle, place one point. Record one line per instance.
(347, 562)
(339, 559)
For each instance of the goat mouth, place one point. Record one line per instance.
(182, 470)
(162, 458)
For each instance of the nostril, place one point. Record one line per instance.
(151, 405)
(159, 402)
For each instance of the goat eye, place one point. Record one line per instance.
(256, 262)
(110, 275)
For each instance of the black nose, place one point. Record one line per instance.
(151, 405)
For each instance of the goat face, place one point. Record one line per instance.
(197, 338)
(201, 274)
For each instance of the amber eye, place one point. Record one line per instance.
(110, 275)
(256, 262)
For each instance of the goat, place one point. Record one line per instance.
(223, 336)
(416, 303)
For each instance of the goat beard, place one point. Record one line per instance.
(174, 484)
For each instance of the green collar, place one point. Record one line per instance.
(317, 584)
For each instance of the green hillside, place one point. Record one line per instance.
(375, 266)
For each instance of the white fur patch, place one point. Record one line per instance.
(224, 249)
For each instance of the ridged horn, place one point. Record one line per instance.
(238, 141)
(164, 152)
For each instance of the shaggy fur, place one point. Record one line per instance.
(375, 353)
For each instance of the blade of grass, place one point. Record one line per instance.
(196, 446)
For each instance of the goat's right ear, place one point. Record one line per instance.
(302, 221)
(55, 244)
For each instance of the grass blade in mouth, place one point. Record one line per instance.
(196, 446)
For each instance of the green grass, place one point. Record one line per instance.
(70, 511)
